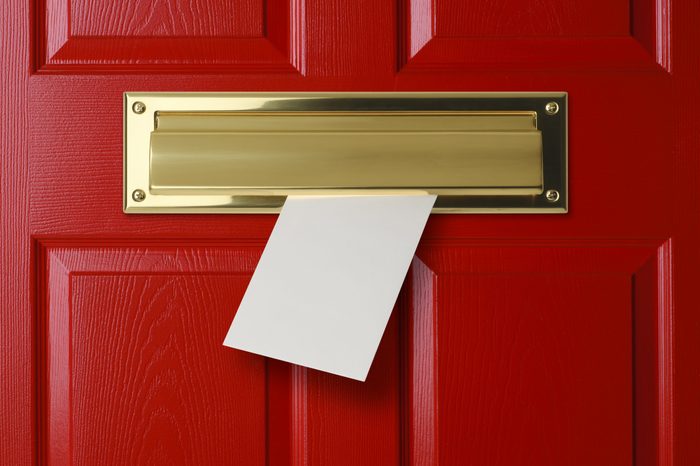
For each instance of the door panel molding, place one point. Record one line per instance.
(448, 279)
(168, 37)
(406, 387)
(424, 47)
(128, 344)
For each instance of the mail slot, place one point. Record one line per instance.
(203, 152)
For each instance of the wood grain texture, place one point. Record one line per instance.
(16, 363)
(351, 39)
(180, 18)
(547, 370)
(527, 18)
(81, 168)
(152, 345)
(558, 350)
(132, 369)
(350, 422)
(134, 365)
(203, 35)
(633, 185)
(133, 329)
(531, 35)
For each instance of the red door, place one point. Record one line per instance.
(517, 339)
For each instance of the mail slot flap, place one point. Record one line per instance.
(245, 152)
(271, 155)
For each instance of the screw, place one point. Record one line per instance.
(138, 107)
(552, 195)
(138, 195)
(552, 108)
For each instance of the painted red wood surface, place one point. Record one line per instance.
(517, 340)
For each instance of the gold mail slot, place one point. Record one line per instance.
(203, 152)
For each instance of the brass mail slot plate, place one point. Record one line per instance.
(245, 152)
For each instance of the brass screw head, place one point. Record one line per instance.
(138, 195)
(138, 107)
(552, 195)
(552, 108)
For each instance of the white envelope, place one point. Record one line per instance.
(328, 279)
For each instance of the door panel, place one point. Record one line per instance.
(132, 369)
(560, 344)
(139, 35)
(136, 18)
(503, 18)
(526, 339)
(550, 35)
(514, 354)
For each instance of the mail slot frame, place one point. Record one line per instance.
(141, 110)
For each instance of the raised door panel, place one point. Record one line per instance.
(533, 35)
(138, 18)
(497, 353)
(533, 354)
(139, 35)
(149, 383)
(132, 370)
(532, 18)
